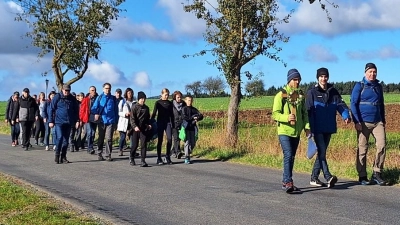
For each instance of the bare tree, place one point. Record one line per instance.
(194, 88)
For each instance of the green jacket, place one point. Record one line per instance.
(284, 127)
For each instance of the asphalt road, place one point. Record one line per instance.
(206, 192)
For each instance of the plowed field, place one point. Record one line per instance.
(263, 117)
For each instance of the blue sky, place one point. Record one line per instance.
(144, 50)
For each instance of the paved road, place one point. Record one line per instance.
(206, 192)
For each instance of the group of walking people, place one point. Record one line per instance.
(315, 113)
(68, 116)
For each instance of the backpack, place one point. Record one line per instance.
(363, 87)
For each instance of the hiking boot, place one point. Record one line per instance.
(57, 159)
(168, 160)
(287, 187)
(332, 181)
(160, 161)
(316, 182)
(377, 178)
(132, 162)
(363, 181)
(179, 156)
(100, 158)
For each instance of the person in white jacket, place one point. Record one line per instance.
(124, 110)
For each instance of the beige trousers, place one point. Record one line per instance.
(378, 132)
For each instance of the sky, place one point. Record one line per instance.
(144, 51)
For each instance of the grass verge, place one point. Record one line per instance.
(22, 204)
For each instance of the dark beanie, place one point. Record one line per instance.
(140, 95)
(370, 66)
(322, 71)
(293, 73)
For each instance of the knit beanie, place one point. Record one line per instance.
(140, 95)
(293, 73)
(322, 71)
(370, 66)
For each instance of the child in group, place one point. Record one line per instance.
(190, 118)
(140, 122)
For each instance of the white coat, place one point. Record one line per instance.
(123, 108)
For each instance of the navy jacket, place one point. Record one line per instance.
(63, 110)
(322, 106)
(367, 104)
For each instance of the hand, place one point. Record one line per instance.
(149, 127)
(308, 133)
(44, 120)
(358, 127)
(347, 121)
(17, 120)
(137, 129)
(80, 123)
(51, 125)
(127, 114)
(77, 125)
(12, 122)
(5, 121)
(36, 118)
(96, 117)
(292, 117)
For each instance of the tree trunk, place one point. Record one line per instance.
(233, 112)
(57, 75)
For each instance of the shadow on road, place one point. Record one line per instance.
(338, 186)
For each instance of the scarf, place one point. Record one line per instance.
(178, 106)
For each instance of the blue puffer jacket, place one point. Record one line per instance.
(322, 106)
(63, 110)
(107, 107)
(367, 104)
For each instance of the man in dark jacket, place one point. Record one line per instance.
(26, 113)
(368, 111)
(12, 105)
(63, 114)
(323, 102)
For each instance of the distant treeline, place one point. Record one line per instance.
(344, 88)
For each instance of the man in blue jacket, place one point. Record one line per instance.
(323, 101)
(105, 110)
(63, 114)
(368, 110)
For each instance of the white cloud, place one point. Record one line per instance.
(142, 80)
(385, 52)
(318, 53)
(126, 30)
(350, 17)
(105, 72)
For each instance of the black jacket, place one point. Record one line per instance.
(140, 117)
(177, 117)
(189, 112)
(26, 109)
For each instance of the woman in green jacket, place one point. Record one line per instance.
(290, 112)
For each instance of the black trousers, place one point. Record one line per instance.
(26, 131)
(136, 137)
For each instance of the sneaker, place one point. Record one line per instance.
(13, 144)
(144, 164)
(332, 181)
(363, 181)
(47, 148)
(100, 158)
(109, 159)
(288, 187)
(54, 147)
(132, 162)
(41, 144)
(65, 160)
(377, 178)
(168, 160)
(187, 161)
(316, 182)
(179, 156)
(92, 152)
(160, 161)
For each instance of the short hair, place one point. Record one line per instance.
(107, 84)
(165, 90)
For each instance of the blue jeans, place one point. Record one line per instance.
(62, 132)
(47, 132)
(122, 140)
(322, 142)
(15, 130)
(90, 133)
(289, 146)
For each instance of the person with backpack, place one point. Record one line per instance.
(177, 119)
(124, 112)
(190, 116)
(105, 110)
(26, 113)
(368, 111)
(323, 101)
(290, 112)
(63, 114)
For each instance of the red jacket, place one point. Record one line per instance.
(84, 110)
